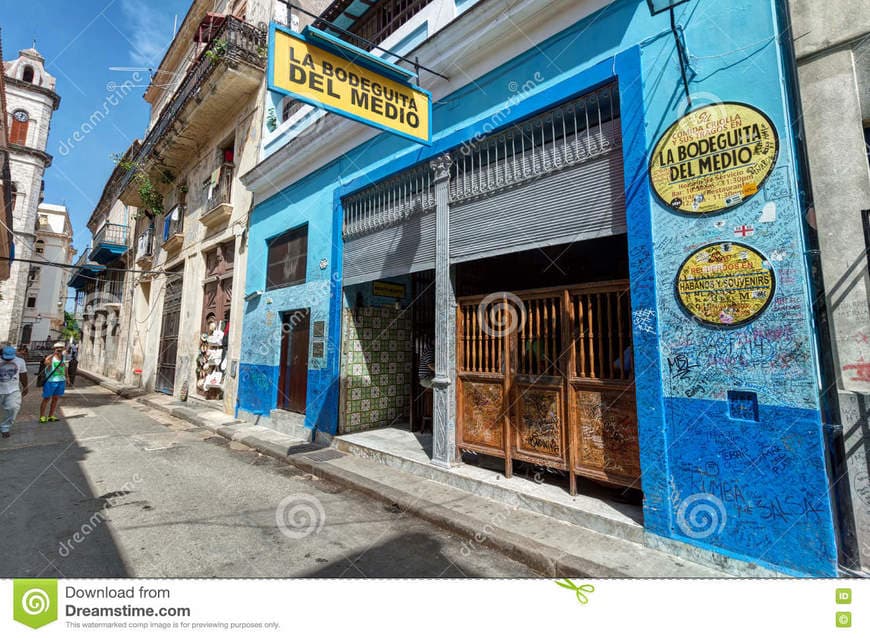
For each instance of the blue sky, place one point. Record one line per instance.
(80, 41)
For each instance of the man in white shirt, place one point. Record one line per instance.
(13, 386)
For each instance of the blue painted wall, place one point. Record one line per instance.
(756, 490)
(310, 201)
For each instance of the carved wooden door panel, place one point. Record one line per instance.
(538, 432)
(546, 377)
(601, 394)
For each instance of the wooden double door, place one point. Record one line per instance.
(546, 376)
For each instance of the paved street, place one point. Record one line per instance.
(118, 489)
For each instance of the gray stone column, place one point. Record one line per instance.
(444, 383)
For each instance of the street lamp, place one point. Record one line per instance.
(660, 6)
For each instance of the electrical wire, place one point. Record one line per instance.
(70, 266)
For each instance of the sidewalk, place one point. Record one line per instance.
(550, 546)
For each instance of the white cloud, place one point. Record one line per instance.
(149, 32)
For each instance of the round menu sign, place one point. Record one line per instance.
(713, 158)
(725, 284)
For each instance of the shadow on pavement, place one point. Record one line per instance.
(397, 557)
(53, 524)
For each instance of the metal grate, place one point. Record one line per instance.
(570, 134)
(389, 202)
(324, 455)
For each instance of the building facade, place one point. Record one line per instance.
(604, 243)
(832, 50)
(46, 294)
(30, 102)
(7, 239)
(103, 288)
(178, 215)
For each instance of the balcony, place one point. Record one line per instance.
(110, 294)
(229, 69)
(173, 229)
(372, 22)
(84, 272)
(145, 247)
(109, 243)
(218, 210)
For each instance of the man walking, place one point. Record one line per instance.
(13, 386)
(55, 382)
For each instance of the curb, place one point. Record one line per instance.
(542, 558)
(546, 560)
(121, 389)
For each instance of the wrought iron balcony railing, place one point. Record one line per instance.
(222, 191)
(110, 242)
(145, 244)
(114, 234)
(111, 292)
(234, 42)
(173, 223)
(380, 21)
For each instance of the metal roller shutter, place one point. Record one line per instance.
(395, 250)
(581, 202)
(552, 179)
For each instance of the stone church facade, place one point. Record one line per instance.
(30, 102)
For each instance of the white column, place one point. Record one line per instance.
(444, 383)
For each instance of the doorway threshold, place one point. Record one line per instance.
(399, 448)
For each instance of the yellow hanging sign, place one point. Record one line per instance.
(725, 284)
(313, 74)
(713, 158)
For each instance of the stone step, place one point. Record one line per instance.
(399, 449)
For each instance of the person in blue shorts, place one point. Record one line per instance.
(55, 382)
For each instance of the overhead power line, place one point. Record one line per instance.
(57, 264)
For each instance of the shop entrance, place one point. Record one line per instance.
(545, 375)
(293, 376)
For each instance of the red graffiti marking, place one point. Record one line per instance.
(862, 370)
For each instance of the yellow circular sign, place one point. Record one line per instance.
(725, 284)
(713, 158)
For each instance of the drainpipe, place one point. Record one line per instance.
(848, 560)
